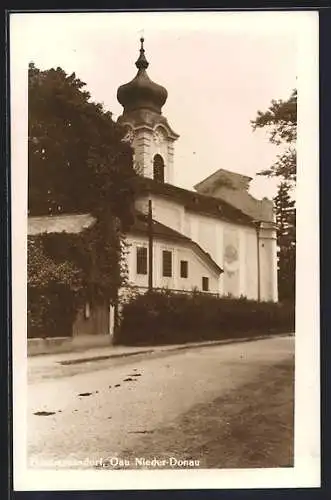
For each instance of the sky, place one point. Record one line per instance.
(219, 69)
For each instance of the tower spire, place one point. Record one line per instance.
(142, 62)
(142, 92)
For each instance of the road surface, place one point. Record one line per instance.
(83, 419)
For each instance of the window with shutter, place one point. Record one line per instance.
(141, 260)
(183, 269)
(167, 263)
(205, 284)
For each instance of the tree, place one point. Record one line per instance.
(281, 121)
(77, 163)
(285, 220)
(77, 160)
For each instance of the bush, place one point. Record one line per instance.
(51, 311)
(170, 318)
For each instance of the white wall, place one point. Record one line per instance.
(197, 268)
(240, 198)
(268, 260)
(232, 246)
(168, 213)
(251, 265)
(147, 143)
(268, 265)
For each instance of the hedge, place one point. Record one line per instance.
(163, 317)
(51, 311)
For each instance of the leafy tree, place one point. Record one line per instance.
(77, 163)
(50, 283)
(285, 220)
(43, 270)
(281, 121)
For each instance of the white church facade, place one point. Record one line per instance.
(216, 239)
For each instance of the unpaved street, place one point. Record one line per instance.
(79, 420)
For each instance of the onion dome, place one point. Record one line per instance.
(142, 92)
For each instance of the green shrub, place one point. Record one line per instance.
(163, 317)
(51, 311)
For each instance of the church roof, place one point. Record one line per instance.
(231, 179)
(196, 202)
(162, 231)
(142, 92)
(234, 188)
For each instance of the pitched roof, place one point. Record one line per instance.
(225, 175)
(160, 230)
(233, 188)
(195, 202)
(73, 223)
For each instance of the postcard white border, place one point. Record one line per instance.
(306, 471)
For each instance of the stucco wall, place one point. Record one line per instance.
(268, 255)
(231, 261)
(222, 239)
(251, 265)
(268, 265)
(147, 143)
(232, 246)
(258, 209)
(197, 268)
(234, 188)
(168, 213)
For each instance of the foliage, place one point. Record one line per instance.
(164, 317)
(78, 163)
(51, 311)
(43, 270)
(77, 160)
(281, 121)
(285, 220)
(99, 258)
(88, 266)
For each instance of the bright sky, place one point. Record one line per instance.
(219, 69)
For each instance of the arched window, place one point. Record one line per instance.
(158, 168)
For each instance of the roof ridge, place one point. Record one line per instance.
(195, 194)
(220, 170)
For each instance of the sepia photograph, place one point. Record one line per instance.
(165, 208)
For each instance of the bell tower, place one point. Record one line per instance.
(146, 128)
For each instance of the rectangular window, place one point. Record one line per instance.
(141, 260)
(167, 263)
(205, 284)
(183, 269)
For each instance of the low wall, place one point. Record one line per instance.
(67, 344)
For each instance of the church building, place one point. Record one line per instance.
(216, 239)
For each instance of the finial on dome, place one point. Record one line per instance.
(142, 62)
(142, 93)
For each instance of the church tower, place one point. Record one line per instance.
(147, 129)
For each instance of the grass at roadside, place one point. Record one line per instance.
(247, 428)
